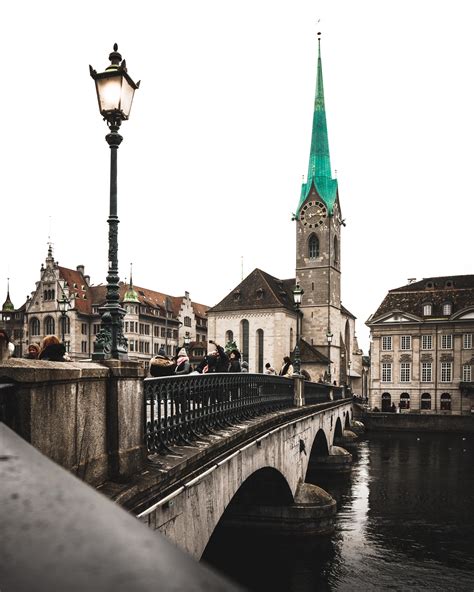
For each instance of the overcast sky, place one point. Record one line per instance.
(211, 163)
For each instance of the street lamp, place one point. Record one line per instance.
(63, 306)
(349, 364)
(115, 90)
(297, 297)
(329, 337)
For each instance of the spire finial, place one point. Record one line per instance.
(131, 269)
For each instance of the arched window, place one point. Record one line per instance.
(229, 337)
(386, 402)
(259, 350)
(291, 340)
(445, 402)
(404, 401)
(313, 247)
(49, 326)
(244, 339)
(426, 401)
(65, 325)
(336, 251)
(35, 328)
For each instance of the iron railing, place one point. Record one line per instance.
(181, 409)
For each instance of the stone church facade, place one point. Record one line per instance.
(328, 343)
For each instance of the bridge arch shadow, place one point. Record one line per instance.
(266, 487)
(337, 430)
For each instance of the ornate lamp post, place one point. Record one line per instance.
(297, 297)
(187, 341)
(329, 337)
(115, 90)
(63, 306)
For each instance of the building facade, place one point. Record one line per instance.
(264, 326)
(152, 320)
(422, 348)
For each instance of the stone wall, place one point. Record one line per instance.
(85, 416)
(418, 422)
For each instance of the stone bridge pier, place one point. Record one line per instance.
(261, 485)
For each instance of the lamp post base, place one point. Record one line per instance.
(110, 341)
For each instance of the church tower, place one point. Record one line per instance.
(318, 242)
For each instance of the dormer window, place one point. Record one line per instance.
(448, 284)
(260, 293)
(447, 308)
(427, 310)
(237, 296)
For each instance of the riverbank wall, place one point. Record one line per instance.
(417, 422)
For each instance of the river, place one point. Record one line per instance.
(405, 521)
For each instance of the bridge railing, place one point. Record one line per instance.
(180, 409)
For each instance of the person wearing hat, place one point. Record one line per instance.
(216, 359)
(182, 362)
(234, 361)
(33, 351)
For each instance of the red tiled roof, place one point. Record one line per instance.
(78, 286)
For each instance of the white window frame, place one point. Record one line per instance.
(446, 372)
(405, 372)
(427, 310)
(386, 372)
(466, 373)
(427, 341)
(386, 343)
(405, 342)
(426, 372)
(447, 341)
(447, 308)
(467, 341)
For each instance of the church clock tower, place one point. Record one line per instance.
(318, 244)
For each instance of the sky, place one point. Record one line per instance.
(210, 168)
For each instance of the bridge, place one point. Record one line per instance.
(186, 454)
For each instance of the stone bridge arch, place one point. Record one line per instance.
(272, 465)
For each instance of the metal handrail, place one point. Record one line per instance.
(181, 409)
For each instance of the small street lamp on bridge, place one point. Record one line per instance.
(329, 337)
(63, 306)
(115, 90)
(297, 297)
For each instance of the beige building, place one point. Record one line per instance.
(422, 352)
(259, 314)
(153, 320)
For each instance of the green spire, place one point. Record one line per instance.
(131, 295)
(8, 304)
(319, 167)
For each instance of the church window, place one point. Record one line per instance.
(313, 247)
(312, 288)
(35, 326)
(49, 326)
(229, 337)
(260, 350)
(336, 251)
(244, 339)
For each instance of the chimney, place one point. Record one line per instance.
(80, 269)
(87, 279)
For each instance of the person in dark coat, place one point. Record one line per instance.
(53, 350)
(234, 361)
(216, 360)
(161, 365)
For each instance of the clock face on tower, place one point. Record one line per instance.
(313, 214)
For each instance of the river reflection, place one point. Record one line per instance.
(405, 522)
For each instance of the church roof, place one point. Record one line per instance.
(258, 290)
(310, 355)
(457, 290)
(319, 167)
